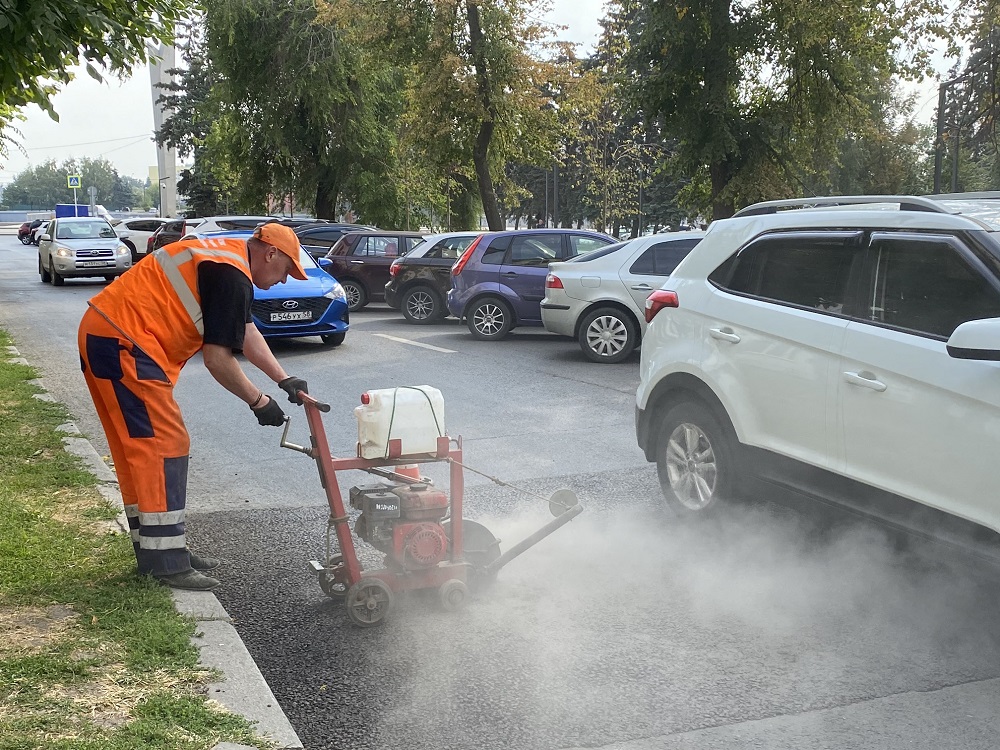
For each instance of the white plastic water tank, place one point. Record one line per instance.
(412, 414)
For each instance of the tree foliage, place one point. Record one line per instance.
(760, 95)
(43, 186)
(42, 41)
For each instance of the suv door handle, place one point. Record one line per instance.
(357, 262)
(865, 379)
(724, 334)
(643, 288)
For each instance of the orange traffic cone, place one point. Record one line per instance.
(409, 470)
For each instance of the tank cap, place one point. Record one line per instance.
(366, 398)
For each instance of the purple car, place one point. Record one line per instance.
(499, 281)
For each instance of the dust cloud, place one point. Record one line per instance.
(629, 622)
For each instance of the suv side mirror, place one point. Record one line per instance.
(977, 339)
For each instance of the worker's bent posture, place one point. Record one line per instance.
(134, 339)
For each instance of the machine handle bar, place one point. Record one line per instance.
(306, 398)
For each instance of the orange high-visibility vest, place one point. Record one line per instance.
(157, 306)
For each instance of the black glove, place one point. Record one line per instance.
(292, 386)
(270, 415)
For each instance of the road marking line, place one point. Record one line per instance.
(415, 343)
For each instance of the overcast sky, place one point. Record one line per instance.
(114, 120)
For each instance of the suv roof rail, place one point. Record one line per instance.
(906, 202)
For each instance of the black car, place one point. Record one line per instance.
(319, 239)
(361, 260)
(169, 232)
(419, 282)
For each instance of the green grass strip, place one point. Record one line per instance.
(93, 655)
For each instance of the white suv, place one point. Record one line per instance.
(844, 350)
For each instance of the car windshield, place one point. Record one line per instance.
(306, 259)
(84, 230)
(599, 253)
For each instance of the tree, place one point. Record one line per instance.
(43, 186)
(43, 40)
(301, 109)
(759, 95)
(476, 96)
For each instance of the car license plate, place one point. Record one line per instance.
(299, 315)
(95, 263)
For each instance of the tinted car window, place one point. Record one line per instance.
(536, 250)
(662, 258)
(494, 254)
(580, 244)
(924, 285)
(321, 238)
(411, 242)
(804, 270)
(250, 223)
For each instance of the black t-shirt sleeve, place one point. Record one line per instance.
(226, 295)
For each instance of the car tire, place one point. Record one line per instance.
(357, 297)
(57, 278)
(25, 240)
(608, 335)
(489, 319)
(110, 277)
(696, 460)
(44, 272)
(422, 305)
(333, 339)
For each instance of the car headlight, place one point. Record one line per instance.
(63, 252)
(122, 250)
(336, 293)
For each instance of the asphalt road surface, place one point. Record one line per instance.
(777, 626)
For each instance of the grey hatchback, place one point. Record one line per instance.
(499, 281)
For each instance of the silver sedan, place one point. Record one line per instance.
(599, 298)
(81, 246)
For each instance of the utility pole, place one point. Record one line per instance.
(555, 195)
(161, 59)
(939, 144)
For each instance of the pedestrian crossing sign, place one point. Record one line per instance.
(73, 180)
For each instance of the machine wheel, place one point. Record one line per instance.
(453, 595)
(695, 460)
(334, 339)
(421, 305)
(328, 582)
(608, 335)
(368, 602)
(481, 549)
(489, 319)
(44, 272)
(357, 297)
(26, 240)
(57, 279)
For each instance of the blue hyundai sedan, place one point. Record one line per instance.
(314, 307)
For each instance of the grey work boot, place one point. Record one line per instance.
(191, 580)
(204, 563)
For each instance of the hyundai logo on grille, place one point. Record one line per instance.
(289, 304)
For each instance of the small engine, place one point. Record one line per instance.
(403, 521)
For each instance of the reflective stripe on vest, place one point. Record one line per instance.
(171, 266)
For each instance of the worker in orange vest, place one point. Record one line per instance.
(135, 337)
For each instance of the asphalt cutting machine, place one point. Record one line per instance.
(425, 541)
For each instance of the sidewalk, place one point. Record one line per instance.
(242, 689)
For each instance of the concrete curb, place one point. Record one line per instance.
(243, 689)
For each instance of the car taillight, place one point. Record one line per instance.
(657, 301)
(149, 244)
(394, 268)
(553, 282)
(460, 263)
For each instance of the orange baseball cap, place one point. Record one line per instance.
(284, 239)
